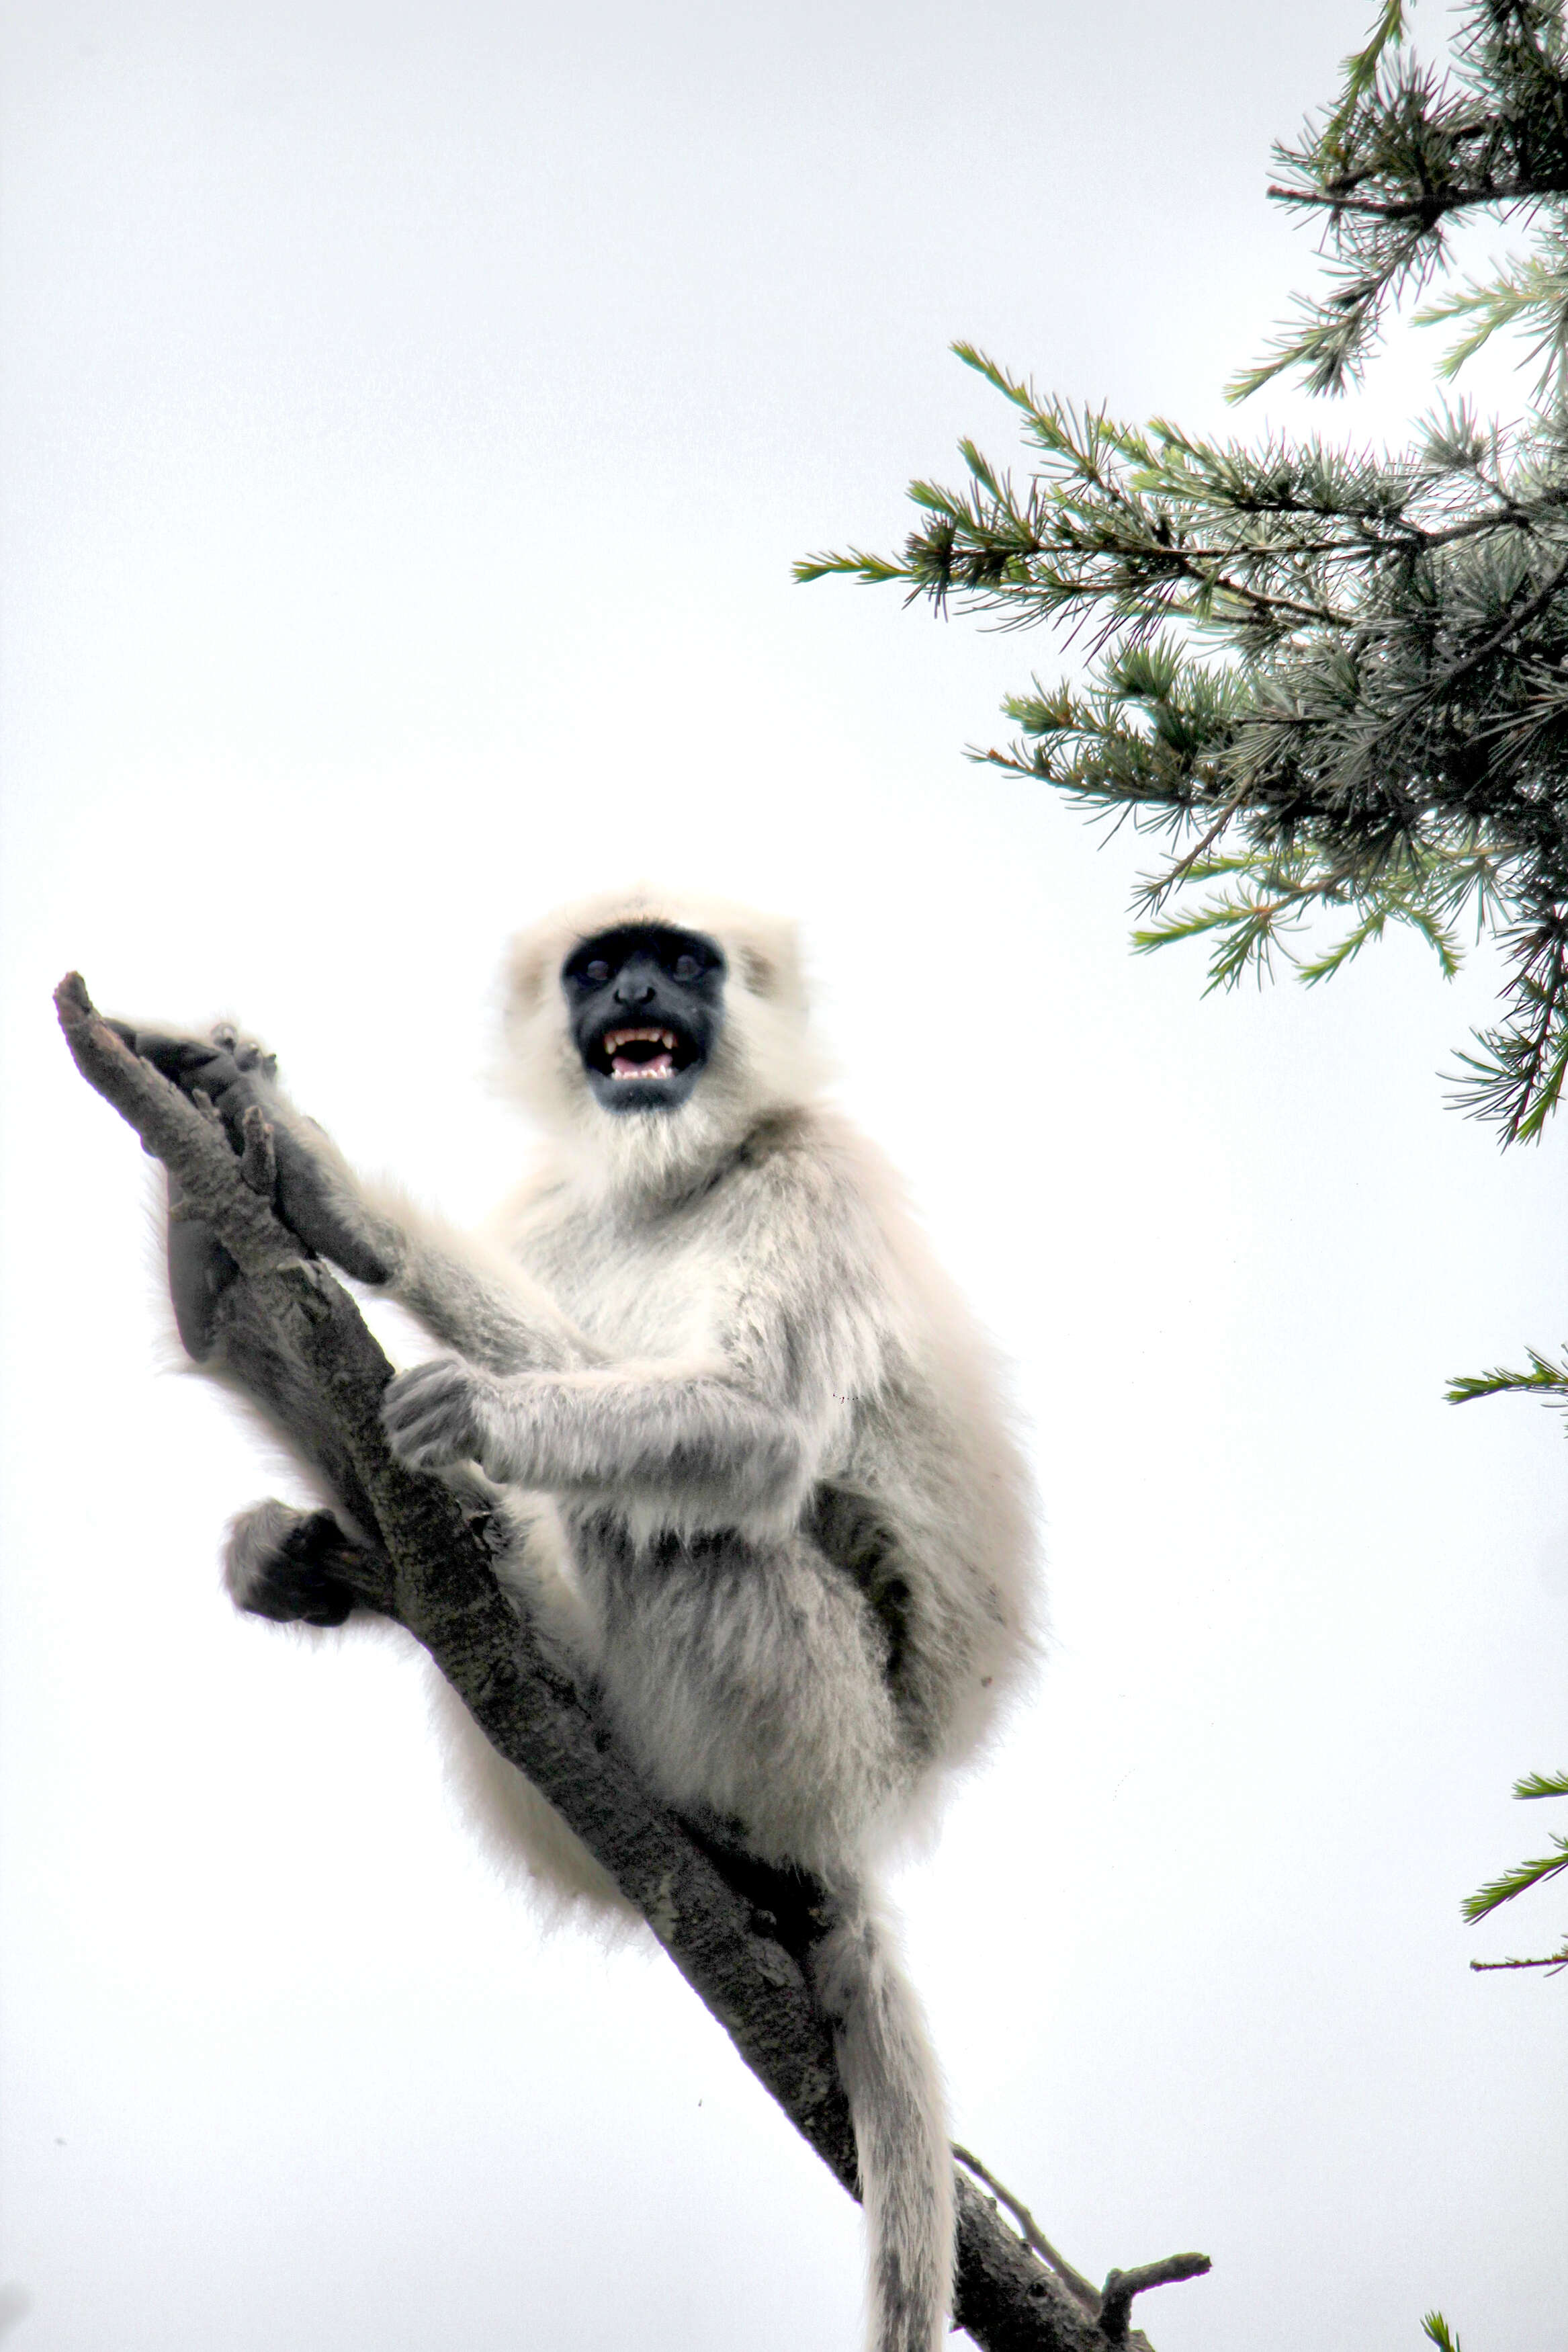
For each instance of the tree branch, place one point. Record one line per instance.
(1078, 2286)
(1500, 636)
(1109, 2306)
(739, 1933)
(1121, 2286)
(1424, 209)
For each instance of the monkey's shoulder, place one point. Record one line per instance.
(809, 1175)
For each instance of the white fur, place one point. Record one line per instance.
(764, 1501)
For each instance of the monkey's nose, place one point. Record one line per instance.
(634, 991)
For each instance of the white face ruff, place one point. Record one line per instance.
(763, 1061)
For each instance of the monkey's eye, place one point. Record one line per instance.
(687, 968)
(597, 972)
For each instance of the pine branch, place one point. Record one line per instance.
(1515, 1881)
(1383, 737)
(1405, 153)
(1524, 1874)
(1543, 1378)
(739, 1934)
(1337, 681)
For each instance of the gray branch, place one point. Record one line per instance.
(738, 1933)
(1121, 2286)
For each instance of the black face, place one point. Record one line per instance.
(645, 1004)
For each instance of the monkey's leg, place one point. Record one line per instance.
(296, 1566)
(250, 1357)
(200, 1271)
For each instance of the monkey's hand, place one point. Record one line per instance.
(444, 1412)
(286, 1155)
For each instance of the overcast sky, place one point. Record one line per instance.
(412, 413)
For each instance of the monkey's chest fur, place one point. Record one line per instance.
(728, 1654)
(637, 1284)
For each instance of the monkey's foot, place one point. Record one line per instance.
(287, 1565)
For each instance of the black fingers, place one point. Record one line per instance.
(226, 1074)
(309, 1202)
(235, 1075)
(200, 1268)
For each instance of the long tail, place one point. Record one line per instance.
(901, 2130)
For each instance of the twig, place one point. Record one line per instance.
(1110, 2306)
(1500, 636)
(1427, 209)
(1554, 1963)
(1121, 2286)
(1177, 873)
(1087, 2295)
(739, 1933)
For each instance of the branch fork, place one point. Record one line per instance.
(1109, 2306)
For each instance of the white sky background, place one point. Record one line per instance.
(413, 413)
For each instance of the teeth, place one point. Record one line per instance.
(660, 1065)
(615, 1038)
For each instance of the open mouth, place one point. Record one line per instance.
(630, 1054)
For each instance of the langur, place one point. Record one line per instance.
(755, 1487)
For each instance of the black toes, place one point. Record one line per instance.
(235, 1075)
(297, 1583)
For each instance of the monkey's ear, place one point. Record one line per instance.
(758, 971)
(528, 973)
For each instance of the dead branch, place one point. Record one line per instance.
(1078, 2286)
(739, 1934)
(1109, 2306)
(1121, 2286)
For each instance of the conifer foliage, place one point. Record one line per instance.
(1335, 682)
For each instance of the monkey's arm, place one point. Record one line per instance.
(668, 1430)
(472, 1297)
(465, 1297)
(797, 1337)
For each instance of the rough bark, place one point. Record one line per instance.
(738, 1933)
